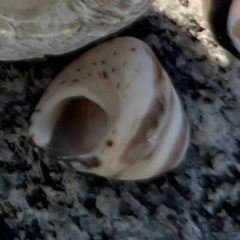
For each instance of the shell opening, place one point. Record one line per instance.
(80, 124)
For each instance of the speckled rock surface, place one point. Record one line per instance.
(200, 200)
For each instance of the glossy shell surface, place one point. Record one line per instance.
(113, 112)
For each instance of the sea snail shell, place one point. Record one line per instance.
(113, 112)
(224, 20)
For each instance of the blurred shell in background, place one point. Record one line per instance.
(31, 29)
(223, 17)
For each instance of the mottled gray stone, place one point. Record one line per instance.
(71, 232)
(107, 203)
(6, 154)
(132, 205)
(233, 116)
(191, 231)
(36, 171)
(164, 212)
(90, 224)
(5, 186)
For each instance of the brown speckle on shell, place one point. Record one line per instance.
(62, 82)
(109, 143)
(105, 74)
(74, 81)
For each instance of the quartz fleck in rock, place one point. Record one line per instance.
(70, 231)
(107, 203)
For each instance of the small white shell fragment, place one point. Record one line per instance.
(113, 112)
(233, 23)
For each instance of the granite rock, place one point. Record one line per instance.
(198, 200)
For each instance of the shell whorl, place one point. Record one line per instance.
(113, 112)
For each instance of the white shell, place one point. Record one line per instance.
(113, 112)
(206, 5)
(34, 28)
(233, 23)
